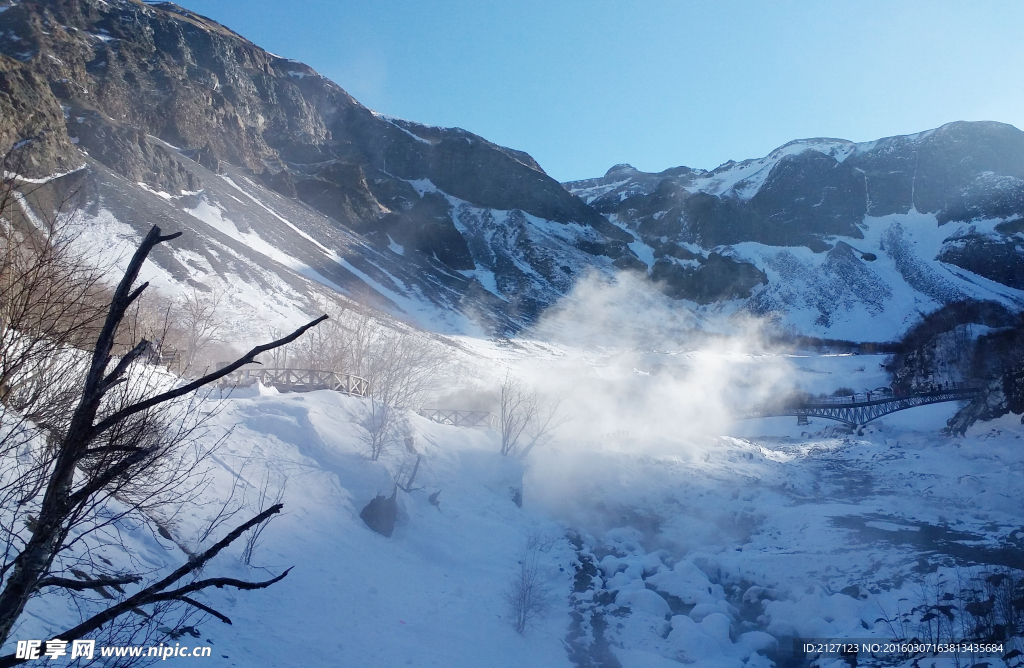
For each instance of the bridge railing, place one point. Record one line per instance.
(884, 395)
(302, 380)
(859, 409)
(459, 418)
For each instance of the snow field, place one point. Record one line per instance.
(707, 549)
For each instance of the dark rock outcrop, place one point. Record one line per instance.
(805, 197)
(380, 513)
(942, 345)
(715, 278)
(996, 257)
(1001, 396)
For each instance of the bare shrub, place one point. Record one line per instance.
(973, 605)
(401, 365)
(381, 423)
(523, 410)
(527, 594)
(264, 499)
(198, 322)
(327, 347)
(279, 358)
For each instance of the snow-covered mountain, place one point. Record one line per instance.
(658, 530)
(279, 176)
(288, 187)
(836, 238)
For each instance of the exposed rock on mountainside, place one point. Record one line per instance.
(714, 278)
(825, 234)
(996, 257)
(809, 190)
(283, 179)
(1000, 396)
(110, 79)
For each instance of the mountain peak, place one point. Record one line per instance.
(622, 169)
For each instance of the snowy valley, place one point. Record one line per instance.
(692, 540)
(582, 425)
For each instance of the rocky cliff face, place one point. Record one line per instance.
(160, 95)
(810, 190)
(832, 228)
(284, 179)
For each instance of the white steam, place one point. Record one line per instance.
(636, 362)
(651, 388)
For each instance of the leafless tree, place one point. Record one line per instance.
(50, 304)
(199, 321)
(517, 409)
(547, 417)
(326, 347)
(226, 508)
(278, 358)
(381, 423)
(87, 439)
(526, 595)
(401, 366)
(262, 501)
(523, 410)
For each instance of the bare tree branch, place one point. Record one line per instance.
(248, 358)
(104, 454)
(155, 592)
(82, 585)
(126, 361)
(218, 583)
(205, 608)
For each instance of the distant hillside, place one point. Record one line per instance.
(837, 238)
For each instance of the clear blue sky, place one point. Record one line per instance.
(582, 86)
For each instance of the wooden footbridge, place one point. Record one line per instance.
(859, 409)
(302, 380)
(459, 418)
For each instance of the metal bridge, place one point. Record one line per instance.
(459, 418)
(859, 409)
(302, 380)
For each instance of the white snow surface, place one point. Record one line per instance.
(823, 297)
(665, 492)
(689, 508)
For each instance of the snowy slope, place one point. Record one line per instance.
(695, 547)
(837, 294)
(273, 256)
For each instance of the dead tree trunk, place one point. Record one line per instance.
(107, 443)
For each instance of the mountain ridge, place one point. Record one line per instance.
(167, 107)
(152, 91)
(825, 195)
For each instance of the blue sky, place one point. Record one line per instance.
(582, 86)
